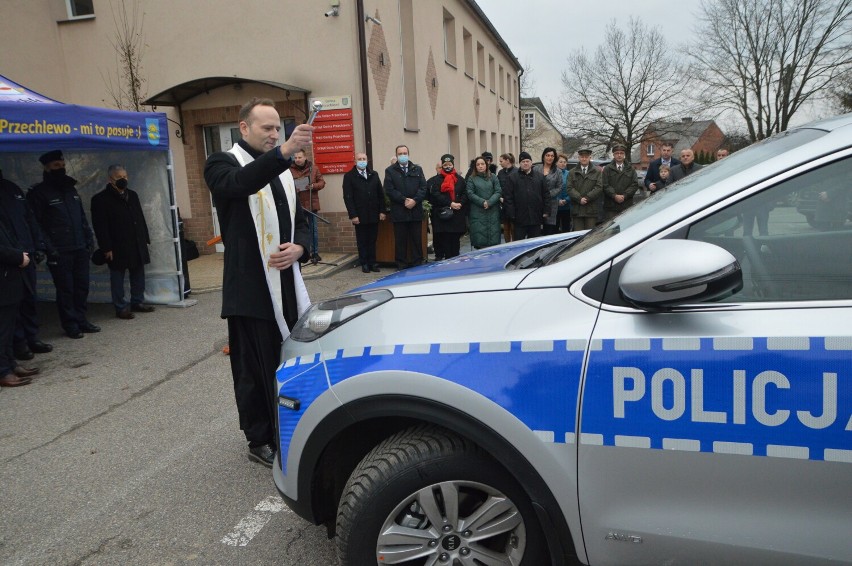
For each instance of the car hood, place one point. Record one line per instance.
(464, 273)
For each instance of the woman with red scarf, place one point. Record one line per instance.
(447, 190)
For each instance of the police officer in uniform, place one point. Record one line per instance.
(59, 211)
(23, 226)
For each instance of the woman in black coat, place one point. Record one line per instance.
(364, 198)
(447, 190)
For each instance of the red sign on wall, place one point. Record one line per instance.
(334, 135)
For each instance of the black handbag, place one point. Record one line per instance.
(189, 249)
(445, 213)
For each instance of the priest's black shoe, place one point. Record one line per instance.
(365, 268)
(375, 268)
(39, 347)
(74, 333)
(89, 327)
(263, 454)
(24, 353)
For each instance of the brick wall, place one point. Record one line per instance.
(339, 236)
(710, 140)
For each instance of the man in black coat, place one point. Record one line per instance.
(13, 260)
(652, 177)
(123, 238)
(254, 333)
(365, 203)
(405, 186)
(526, 199)
(25, 229)
(59, 211)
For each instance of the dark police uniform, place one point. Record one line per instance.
(25, 229)
(59, 211)
(11, 293)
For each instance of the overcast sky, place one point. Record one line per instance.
(542, 33)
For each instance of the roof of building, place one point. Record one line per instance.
(683, 134)
(535, 102)
(505, 46)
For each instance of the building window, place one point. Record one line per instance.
(502, 83)
(480, 61)
(453, 142)
(468, 52)
(649, 151)
(449, 38)
(492, 76)
(409, 79)
(471, 142)
(80, 8)
(529, 120)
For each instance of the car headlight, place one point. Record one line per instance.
(328, 315)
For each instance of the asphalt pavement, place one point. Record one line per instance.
(126, 449)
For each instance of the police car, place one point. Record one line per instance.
(672, 387)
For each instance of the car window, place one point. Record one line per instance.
(793, 240)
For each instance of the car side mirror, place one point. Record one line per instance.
(669, 273)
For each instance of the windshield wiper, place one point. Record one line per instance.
(545, 254)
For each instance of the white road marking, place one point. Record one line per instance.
(252, 523)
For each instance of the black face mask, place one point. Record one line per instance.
(55, 174)
(121, 184)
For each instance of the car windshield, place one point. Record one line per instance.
(690, 185)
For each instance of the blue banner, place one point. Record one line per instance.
(30, 122)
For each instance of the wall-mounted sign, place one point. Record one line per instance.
(334, 135)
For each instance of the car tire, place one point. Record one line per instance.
(417, 474)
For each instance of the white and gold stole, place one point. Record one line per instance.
(265, 215)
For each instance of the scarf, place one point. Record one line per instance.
(448, 185)
(265, 215)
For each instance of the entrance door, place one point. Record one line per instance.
(219, 137)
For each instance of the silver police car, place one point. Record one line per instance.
(672, 387)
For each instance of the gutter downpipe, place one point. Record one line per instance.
(365, 86)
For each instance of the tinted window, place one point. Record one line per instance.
(793, 240)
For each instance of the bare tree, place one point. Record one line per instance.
(766, 59)
(127, 88)
(632, 80)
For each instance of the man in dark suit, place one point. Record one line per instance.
(252, 276)
(13, 260)
(365, 203)
(123, 238)
(26, 231)
(405, 186)
(652, 177)
(620, 183)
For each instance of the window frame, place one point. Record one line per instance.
(529, 114)
(71, 7)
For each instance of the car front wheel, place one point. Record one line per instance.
(427, 496)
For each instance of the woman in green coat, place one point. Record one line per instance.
(483, 192)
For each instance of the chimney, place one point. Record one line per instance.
(687, 120)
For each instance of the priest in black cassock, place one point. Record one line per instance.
(266, 236)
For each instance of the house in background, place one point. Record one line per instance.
(537, 129)
(434, 76)
(697, 135)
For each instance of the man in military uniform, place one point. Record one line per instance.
(24, 228)
(59, 211)
(620, 183)
(584, 190)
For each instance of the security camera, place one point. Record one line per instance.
(335, 11)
